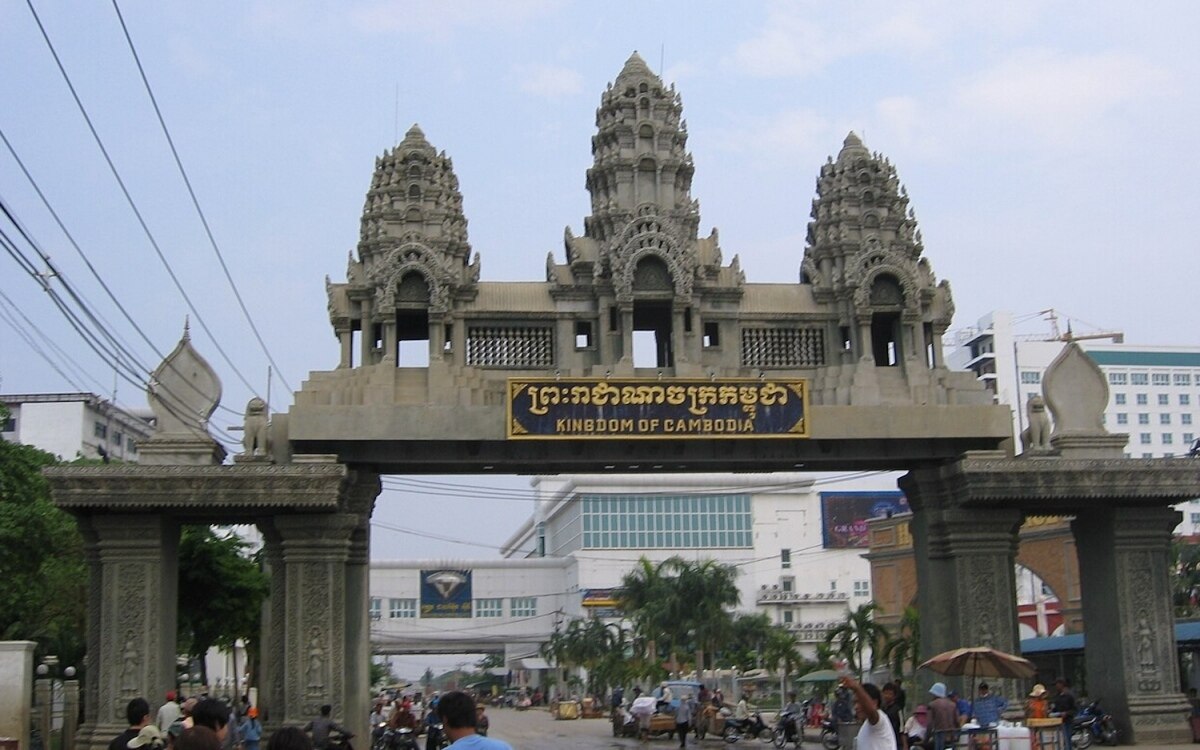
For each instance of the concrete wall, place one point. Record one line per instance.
(16, 690)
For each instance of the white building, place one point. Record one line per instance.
(75, 425)
(1154, 391)
(796, 539)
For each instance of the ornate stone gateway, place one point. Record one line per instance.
(841, 368)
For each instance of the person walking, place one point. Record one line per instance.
(168, 712)
(323, 726)
(876, 732)
(457, 711)
(683, 717)
(137, 713)
(251, 729)
(943, 717)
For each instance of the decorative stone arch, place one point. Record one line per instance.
(884, 267)
(399, 262)
(649, 234)
(647, 276)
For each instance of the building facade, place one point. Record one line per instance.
(75, 425)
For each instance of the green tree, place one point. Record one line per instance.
(857, 634)
(41, 559)
(902, 649)
(747, 637)
(379, 674)
(781, 655)
(646, 599)
(427, 678)
(1185, 564)
(705, 592)
(221, 592)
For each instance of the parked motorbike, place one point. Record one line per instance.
(787, 729)
(1092, 724)
(830, 740)
(401, 738)
(753, 728)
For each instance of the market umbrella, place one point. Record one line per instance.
(821, 675)
(980, 661)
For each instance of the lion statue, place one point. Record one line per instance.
(1036, 437)
(254, 438)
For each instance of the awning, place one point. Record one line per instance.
(532, 662)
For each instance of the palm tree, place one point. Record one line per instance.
(858, 633)
(904, 646)
(646, 598)
(780, 654)
(705, 591)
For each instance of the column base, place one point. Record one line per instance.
(1161, 720)
(97, 736)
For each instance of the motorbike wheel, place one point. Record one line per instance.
(768, 735)
(730, 734)
(830, 740)
(1081, 739)
(700, 730)
(1108, 733)
(780, 738)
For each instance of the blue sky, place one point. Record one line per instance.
(1047, 148)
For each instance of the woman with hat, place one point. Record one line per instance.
(1036, 706)
(916, 728)
(251, 729)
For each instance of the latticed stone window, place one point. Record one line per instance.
(517, 347)
(783, 347)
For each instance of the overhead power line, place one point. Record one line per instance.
(133, 205)
(195, 201)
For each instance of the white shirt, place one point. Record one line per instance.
(877, 736)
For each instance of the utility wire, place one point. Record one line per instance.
(7, 315)
(133, 206)
(195, 201)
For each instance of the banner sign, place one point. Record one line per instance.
(844, 515)
(445, 593)
(633, 408)
(608, 598)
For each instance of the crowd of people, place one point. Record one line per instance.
(202, 723)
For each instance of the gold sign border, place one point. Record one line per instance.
(515, 431)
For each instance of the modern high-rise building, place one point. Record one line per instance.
(75, 425)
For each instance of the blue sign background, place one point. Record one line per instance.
(445, 593)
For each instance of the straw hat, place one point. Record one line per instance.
(1038, 691)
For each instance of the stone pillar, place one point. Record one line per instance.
(965, 560)
(346, 339)
(360, 501)
(70, 713)
(390, 343)
(131, 617)
(679, 338)
(367, 338)
(312, 627)
(272, 653)
(1124, 577)
(16, 670)
(627, 335)
(43, 707)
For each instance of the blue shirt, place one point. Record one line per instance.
(479, 742)
(988, 709)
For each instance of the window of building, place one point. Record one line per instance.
(1189, 437)
(787, 617)
(1147, 455)
(1185, 399)
(785, 558)
(1118, 378)
(489, 607)
(787, 584)
(1196, 518)
(1142, 400)
(1144, 438)
(583, 334)
(1122, 418)
(1164, 399)
(1160, 378)
(712, 335)
(1139, 378)
(1168, 455)
(523, 606)
(1168, 438)
(376, 608)
(100, 430)
(131, 445)
(1185, 419)
(9, 425)
(1164, 419)
(1143, 418)
(1183, 378)
(833, 585)
(620, 521)
(402, 608)
(1119, 399)
(1031, 377)
(117, 439)
(862, 588)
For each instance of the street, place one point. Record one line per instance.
(536, 729)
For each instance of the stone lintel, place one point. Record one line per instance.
(184, 450)
(247, 488)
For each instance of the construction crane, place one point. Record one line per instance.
(1051, 315)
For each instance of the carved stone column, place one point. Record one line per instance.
(313, 625)
(965, 560)
(132, 617)
(345, 339)
(360, 501)
(367, 337)
(273, 653)
(1124, 555)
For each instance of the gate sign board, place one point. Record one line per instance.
(646, 408)
(844, 515)
(445, 593)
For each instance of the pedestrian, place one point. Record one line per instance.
(988, 707)
(168, 712)
(289, 738)
(213, 714)
(1036, 706)
(322, 726)
(943, 717)
(683, 717)
(149, 738)
(137, 713)
(481, 720)
(890, 708)
(457, 711)
(1064, 703)
(251, 729)
(618, 697)
(198, 738)
(915, 729)
(876, 732)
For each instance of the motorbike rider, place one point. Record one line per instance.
(790, 716)
(323, 726)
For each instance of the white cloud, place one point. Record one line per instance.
(787, 133)
(1056, 97)
(550, 81)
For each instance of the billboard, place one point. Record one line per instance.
(644, 408)
(445, 593)
(844, 515)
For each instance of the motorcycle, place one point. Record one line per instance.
(1092, 724)
(401, 738)
(436, 739)
(830, 739)
(753, 728)
(787, 729)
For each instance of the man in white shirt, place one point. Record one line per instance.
(876, 732)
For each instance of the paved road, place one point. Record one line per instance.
(538, 730)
